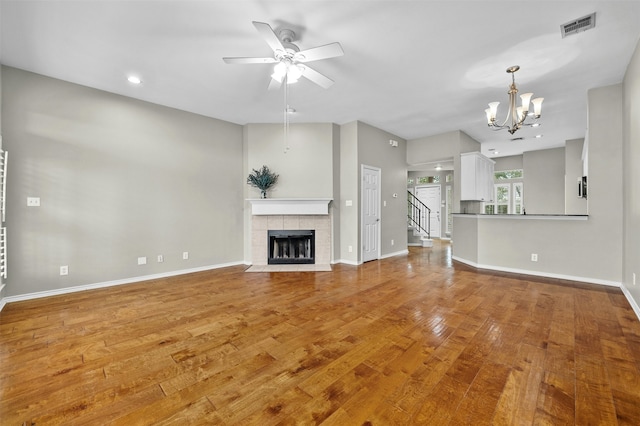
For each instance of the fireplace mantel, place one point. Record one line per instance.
(289, 206)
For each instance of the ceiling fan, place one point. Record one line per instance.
(289, 59)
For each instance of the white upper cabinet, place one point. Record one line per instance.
(476, 177)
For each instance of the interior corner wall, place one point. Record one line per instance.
(117, 179)
(336, 206)
(631, 178)
(605, 224)
(544, 181)
(375, 150)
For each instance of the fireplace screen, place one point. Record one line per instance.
(286, 247)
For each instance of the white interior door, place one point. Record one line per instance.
(430, 196)
(370, 213)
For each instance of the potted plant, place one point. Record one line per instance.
(262, 179)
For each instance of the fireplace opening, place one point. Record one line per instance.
(291, 247)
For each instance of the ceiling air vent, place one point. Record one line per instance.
(578, 25)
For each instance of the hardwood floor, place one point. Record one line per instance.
(405, 340)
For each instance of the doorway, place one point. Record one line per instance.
(431, 197)
(370, 213)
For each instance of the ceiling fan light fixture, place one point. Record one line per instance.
(293, 73)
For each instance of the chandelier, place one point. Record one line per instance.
(516, 116)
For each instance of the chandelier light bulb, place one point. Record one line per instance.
(537, 106)
(493, 109)
(526, 98)
(488, 112)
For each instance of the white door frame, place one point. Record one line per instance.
(437, 211)
(367, 220)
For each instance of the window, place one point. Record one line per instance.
(428, 179)
(508, 174)
(517, 198)
(508, 199)
(502, 195)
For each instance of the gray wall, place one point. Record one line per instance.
(349, 194)
(374, 150)
(306, 169)
(118, 179)
(544, 181)
(512, 162)
(631, 181)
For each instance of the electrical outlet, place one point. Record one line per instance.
(64, 270)
(160, 258)
(185, 255)
(33, 201)
(142, 260)
(350, 248)
(392, 242)
(534, 257)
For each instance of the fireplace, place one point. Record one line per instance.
(289, 215)
(291, 246)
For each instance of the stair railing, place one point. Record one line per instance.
(418, 214)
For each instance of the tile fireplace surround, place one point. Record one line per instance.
(290, 214)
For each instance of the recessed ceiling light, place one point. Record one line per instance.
(134, 79)
(535, 125)
(538, 136)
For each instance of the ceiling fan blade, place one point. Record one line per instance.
(249, 60)
(319, 79)
(274, 84)
(269, 36)
(321, 52)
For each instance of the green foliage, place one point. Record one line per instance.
(509, 174)
(262, 179)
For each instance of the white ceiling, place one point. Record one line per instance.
(412, 68)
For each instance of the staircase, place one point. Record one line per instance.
(419, 219)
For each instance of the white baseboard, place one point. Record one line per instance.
(397, 253)
(104, 284)
(347, 262)
(631, 300)
(538, 273)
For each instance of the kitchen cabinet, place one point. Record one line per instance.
(476, 177)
